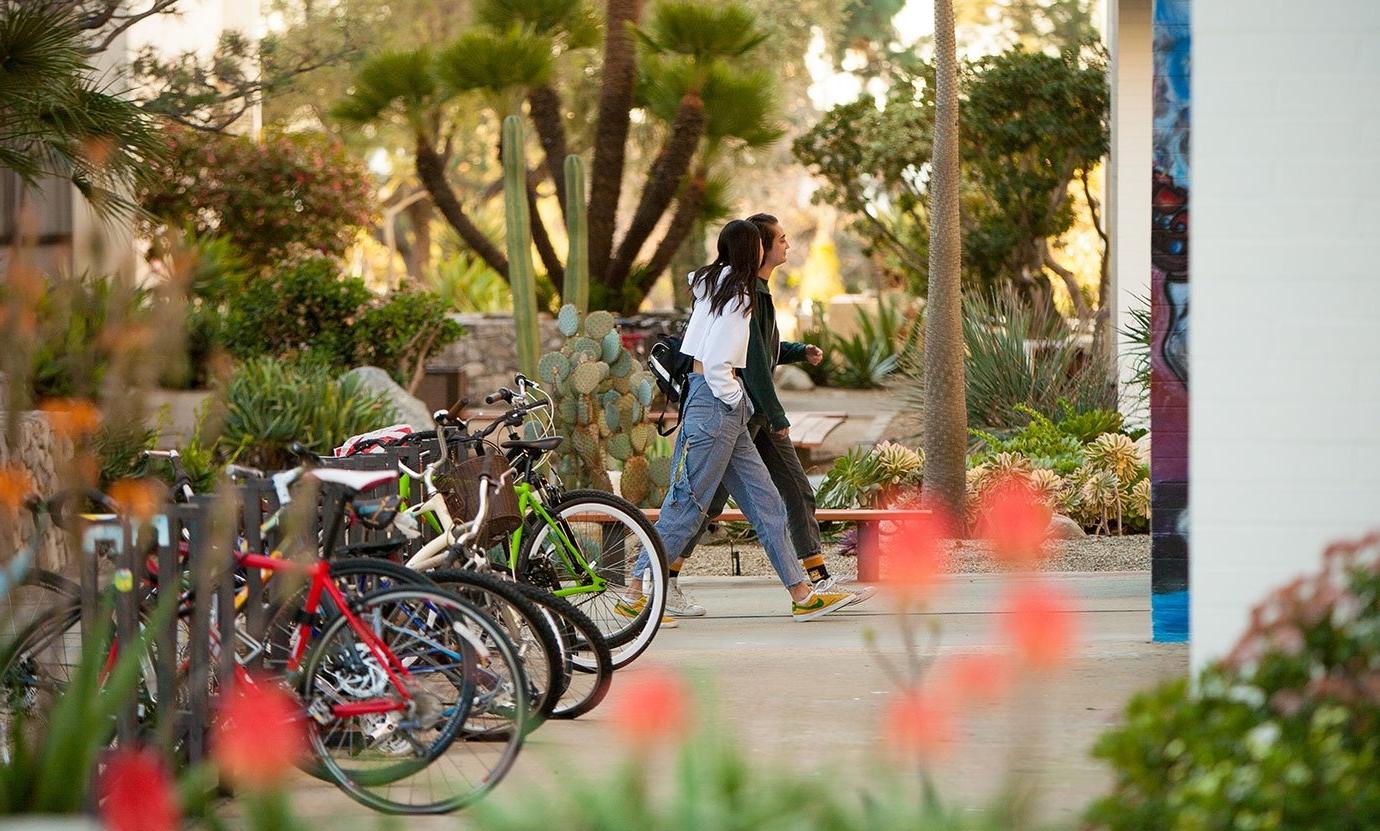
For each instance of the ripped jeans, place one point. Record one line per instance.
(714, 447)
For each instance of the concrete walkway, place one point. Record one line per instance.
(809, 696)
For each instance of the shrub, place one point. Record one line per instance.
(1282, 733)
(272, 403)
(467, 284)
(310, 309)
(284, 196)
(883, 343)
(865, 479)
(306, 307)
(399, 333)
(1022, 355)
(70, 357)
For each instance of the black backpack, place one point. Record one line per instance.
(672, 368)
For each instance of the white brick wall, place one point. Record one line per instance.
(1128, 179)
(1285, 320)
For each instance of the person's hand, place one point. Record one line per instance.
(784, 432)
(813, 354)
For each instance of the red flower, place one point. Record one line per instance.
(1041, 624)
(913, 562)
(136, 793)
(652, 709)
(1016, 523)
(919, 723)
(260, 735)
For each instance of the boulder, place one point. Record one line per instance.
(1063, 528)
(411, 410)
(793, 378)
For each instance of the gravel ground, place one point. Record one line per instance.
(1130, 553)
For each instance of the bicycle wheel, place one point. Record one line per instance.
(459, 666)
(37, 667)
(605, 535)
(534, 636)
(588, 663)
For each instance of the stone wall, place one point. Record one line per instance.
(40, 452)
(487, 352)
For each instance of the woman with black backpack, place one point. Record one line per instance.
(714, 446)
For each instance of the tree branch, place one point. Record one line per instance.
(544, 106)
(431, 172)
(126, 21)
(902, 250)
(549, 259)
(1080, 305)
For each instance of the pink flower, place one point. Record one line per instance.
(653, 709)
(920, 723)
(1040, 622)
(913, 561)
(1017, 524)
(260, 735)
(979, 678)
(136, 793)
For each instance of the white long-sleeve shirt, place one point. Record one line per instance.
(719, 342)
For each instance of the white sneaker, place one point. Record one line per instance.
(860, 593)
(678, 603)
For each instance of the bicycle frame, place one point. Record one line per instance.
(530, 503)
(322, 584)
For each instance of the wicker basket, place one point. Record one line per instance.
(459, 486)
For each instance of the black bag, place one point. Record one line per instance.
(672, 368)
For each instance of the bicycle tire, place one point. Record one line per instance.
(535, 633)
(586, 652)
(447, 610)
(628, 637)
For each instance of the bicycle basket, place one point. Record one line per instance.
(459, 486)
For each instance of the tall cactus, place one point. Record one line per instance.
(520, 276)
(576, 288)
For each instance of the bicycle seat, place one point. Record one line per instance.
(545, 445)
(376, 513)
(355, 480)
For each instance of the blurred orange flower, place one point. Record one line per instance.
(1016, 523)
(260, 735)
(1041, 623)
(140, 498)
(72, 417)
(15, 486)
(653, 708)
(136, 793)
(978, 678)
(917, 722)
(913, 559)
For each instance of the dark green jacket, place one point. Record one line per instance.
(765, 351)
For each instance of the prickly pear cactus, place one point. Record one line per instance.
(603, 400)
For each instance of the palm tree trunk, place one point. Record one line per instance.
(688, 206)
(419, 258)
(611, 130)
(545, 107)
(431, 170)
(663, 180)
(946, 416)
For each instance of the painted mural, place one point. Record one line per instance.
(1169, 236)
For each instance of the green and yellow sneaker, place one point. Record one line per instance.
(819, 604)
(631, 610)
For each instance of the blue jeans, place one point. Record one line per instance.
(714, 447)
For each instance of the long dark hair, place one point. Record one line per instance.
(740, 251)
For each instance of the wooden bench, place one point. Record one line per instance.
(808, 429)
(868, 520)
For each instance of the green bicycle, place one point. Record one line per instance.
(581, 545)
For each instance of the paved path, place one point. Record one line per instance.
(809, 695)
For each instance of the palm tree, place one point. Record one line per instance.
(702, 36)
(739, 110)
(420, 87)
(946, 418)
(56, 121)
(571, 25)
(611, 136)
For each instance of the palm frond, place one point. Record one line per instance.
(701, 31)
(402, 79)
(495, 62)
